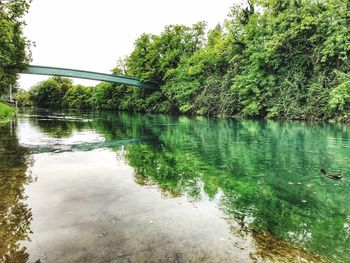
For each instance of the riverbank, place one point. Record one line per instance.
(6, 113)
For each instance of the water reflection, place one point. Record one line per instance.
(15, 215)
(266, 174)
(262, 175)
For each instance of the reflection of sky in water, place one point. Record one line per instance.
(30, 135)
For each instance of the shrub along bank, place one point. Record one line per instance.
(6, 113)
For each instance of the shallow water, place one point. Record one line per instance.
(117, 187)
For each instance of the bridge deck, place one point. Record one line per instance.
(73, 73)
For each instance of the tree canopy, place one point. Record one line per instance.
(270, 58)
(14, 47)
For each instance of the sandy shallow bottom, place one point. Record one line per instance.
(87, 207)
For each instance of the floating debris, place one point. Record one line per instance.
(103, 234)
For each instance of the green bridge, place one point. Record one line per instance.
(73, 73)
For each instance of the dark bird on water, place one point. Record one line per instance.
(332, 176)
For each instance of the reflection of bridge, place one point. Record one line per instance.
(59, 148)
(73, 73)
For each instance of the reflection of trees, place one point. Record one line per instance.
(57, 124)
(251, 162)
(15, 215)
(156, 165)
(111, 125)
(61, 128)
(124, 125)
(267, 171)
(56, 129)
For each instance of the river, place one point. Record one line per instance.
(119, 187)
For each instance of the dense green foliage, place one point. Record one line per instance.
(58, 93)
(78, 97)
(23, 98)
(269, 58)
(51, 93)
(13, 45)
(6, 112)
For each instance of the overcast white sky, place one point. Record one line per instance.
(93, 34)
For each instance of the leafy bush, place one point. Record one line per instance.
(50, 93)
(339, 102)
(6, 112)
(78, 97)
(23, 98)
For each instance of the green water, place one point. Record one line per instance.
(264, 175)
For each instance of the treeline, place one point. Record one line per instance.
(60, 93)
(269, 58)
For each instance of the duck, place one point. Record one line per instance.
(332, 176)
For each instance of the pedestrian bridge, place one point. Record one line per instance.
(82, 74)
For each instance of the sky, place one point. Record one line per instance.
(92, 34)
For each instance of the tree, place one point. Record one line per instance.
(78, 97)
(155, 56)
(50, 93)
(14, 55)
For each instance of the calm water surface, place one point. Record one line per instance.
(117, 187)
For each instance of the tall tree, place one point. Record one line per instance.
(14, 47)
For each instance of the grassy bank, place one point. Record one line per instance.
(6, 113)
